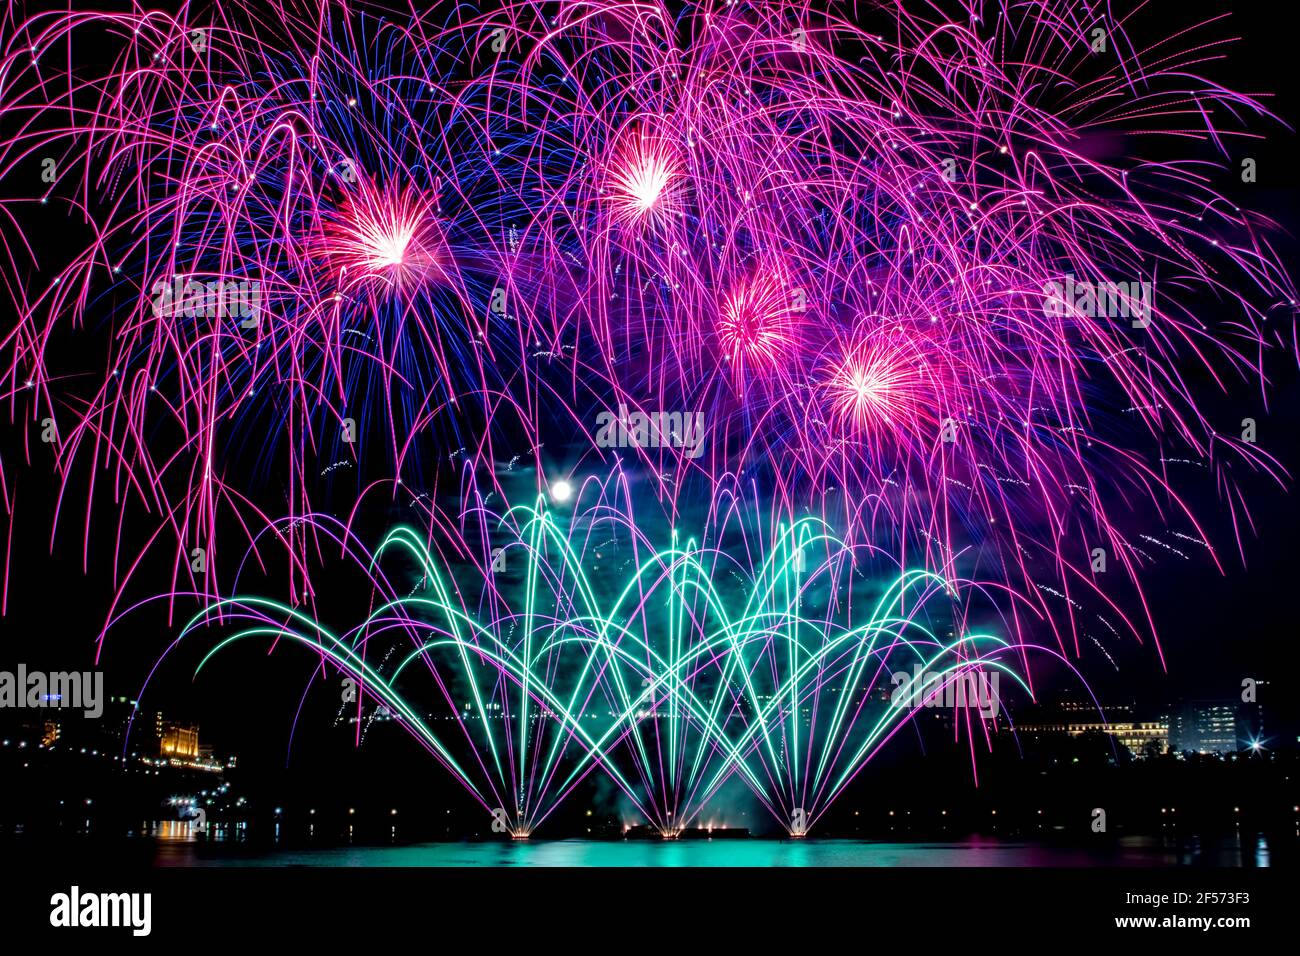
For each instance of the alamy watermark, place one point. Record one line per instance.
(76, 908)
(215, 299)
(683, 430)
(79, 690)
(977, 689)
(1101, 299)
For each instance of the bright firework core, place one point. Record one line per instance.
(390, 248)
(756, 322)
(874, 387)
(390, 236)
(641, 182)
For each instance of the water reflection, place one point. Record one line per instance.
(177, 846)
(189, 831)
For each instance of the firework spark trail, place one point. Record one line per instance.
(669, 678)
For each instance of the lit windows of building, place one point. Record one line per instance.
(179, 741)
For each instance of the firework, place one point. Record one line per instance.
(562, 642)
(899, 273)
(885, 255)
(289, 255)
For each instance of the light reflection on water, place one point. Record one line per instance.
(190, 831)
(974, 852)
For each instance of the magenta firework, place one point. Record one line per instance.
(928, 270)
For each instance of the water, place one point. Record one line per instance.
(973, 852)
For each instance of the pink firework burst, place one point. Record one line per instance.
(389, 235)
(758, 321)
(645, 178)
(878, 386)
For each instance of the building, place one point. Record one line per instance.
(179, 741)
(1139, 737)
(1217, 726)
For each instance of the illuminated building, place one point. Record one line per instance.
(179, 741)
(1217, 726)
(1074, 718)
